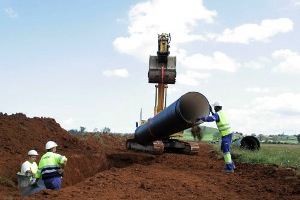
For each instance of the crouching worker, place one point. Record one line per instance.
(51, 167)
(29, 167)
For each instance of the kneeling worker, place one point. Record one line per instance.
(51, 167)
(29, 167)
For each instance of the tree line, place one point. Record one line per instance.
(82, 130)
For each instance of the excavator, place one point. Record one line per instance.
(156, 135)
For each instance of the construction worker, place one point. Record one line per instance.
(51, 167)
(29, 167)
(225, 130)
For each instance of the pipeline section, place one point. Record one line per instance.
(180, 115)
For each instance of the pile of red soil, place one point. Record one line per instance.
(19, 134)
(99, 167)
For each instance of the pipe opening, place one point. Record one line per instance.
(250, 143)
(193, 105)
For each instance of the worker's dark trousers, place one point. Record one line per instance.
(53, 183)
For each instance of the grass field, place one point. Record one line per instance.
(282, 155)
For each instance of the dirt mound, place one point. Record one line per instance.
(19, 134)
(99, 167)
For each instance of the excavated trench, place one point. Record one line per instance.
(82, 166)
(125, 159)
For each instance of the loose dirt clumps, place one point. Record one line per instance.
(196, 132)
(99, 167)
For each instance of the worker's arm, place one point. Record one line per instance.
(210, 118)
(63, 165)
(26, 169)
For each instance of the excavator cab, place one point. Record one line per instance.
(162, 68)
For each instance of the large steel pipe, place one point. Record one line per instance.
(180, 115)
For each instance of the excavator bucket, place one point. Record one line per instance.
(162, 72)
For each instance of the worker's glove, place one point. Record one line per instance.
(201, 118)
(33, 182)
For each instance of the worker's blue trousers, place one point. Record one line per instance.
(53, 183)
(225, 148)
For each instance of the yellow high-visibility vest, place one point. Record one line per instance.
(223, 125)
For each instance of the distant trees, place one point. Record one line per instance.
(82, 130)
(298, 138)
(105, 130)
(261, 137)
(276, 139)
(73, 131)
(95, 130)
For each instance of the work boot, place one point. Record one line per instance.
(226, 170)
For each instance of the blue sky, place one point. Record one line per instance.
(85, 62)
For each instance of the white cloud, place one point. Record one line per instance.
(253, 65)
(117, 72)
(253, 32)
(283, 104)
(149, 18)
(186, 80)
(69, 122)
(268, 115)
(257, 90)
(157, 15)
(296, 3)
(218, 60)
(291, 63)
(192, 78)
(260, 63)
(10, 13)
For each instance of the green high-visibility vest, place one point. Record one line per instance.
(223, 125)
(49, 164)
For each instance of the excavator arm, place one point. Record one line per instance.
(155, 135)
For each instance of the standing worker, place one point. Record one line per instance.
(225, 130)
(51, 167)
(29, 167)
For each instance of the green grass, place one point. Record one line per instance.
(284, 156)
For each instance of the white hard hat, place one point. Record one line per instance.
(50, 145)
(33, 153)
(217, 103)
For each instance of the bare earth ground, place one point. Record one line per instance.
(101, 168)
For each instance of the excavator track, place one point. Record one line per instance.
(192, 148)
(181, 146)
(156, 148)
(169, 145)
